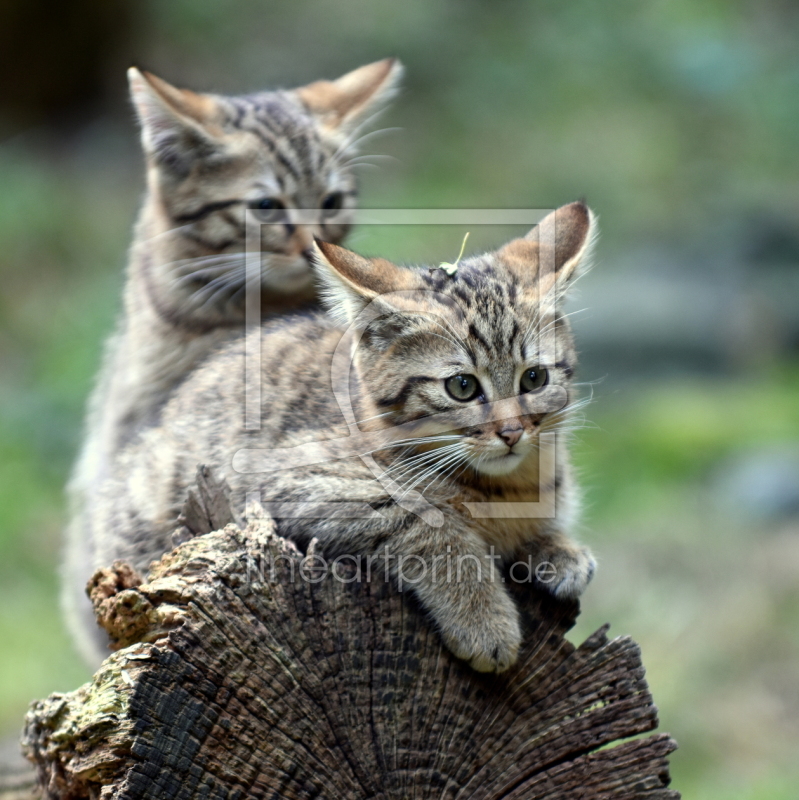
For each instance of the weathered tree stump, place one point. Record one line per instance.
(234, 682)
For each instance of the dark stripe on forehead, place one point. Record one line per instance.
(303, 145)
(264, 134)
(475, 334)
(283, 120)
(461, 294)
(277, 114)
(284, 161)
(468, 279)
(270, 135)
(266, 137)
(514, 333)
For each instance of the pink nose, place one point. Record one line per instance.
(510, 435)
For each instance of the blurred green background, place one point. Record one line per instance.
(678, 121)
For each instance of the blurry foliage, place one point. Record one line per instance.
(658, 445)
(678, 121)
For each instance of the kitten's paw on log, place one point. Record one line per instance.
(566, 572)
(490, 641)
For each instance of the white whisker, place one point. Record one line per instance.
(363, 165)
(354, 140)
(376, 416)
(410, 465)
(432, 470)
(367, 159)
(552, 323)
(406, 442)
(462, 463)
(450, 334)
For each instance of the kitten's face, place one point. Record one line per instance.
(273, 170)
(492, 344)
(449, 345)
(216, 161)
(501, 352)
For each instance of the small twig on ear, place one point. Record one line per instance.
(451, 269)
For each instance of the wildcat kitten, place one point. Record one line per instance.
(209, 158)
(460, 375)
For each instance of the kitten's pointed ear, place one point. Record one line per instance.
(173, 121)
(341, 105)
(350, 282)
(553, 251)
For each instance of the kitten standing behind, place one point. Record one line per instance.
(209, 159)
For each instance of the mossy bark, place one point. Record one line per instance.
(233, 681)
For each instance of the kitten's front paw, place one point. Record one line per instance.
(490, 642)
(566, 572)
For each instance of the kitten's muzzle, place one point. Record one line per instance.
(511, 432)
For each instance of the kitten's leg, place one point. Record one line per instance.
(451, 572)
(559, 565)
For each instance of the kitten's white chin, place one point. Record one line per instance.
(497, 465)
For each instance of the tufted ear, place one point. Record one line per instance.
(551, 253)
(349, 283)
(174, 122)
(343, 104)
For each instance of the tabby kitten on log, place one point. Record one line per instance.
(453, 379)
(209, 159)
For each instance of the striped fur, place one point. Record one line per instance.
(496, 318)
(209, 158)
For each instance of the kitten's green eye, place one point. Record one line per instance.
(332, 203)
(462, 387)
(533, 379)
(269, 209)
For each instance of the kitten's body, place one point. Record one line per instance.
(497, 316)
(209, 159)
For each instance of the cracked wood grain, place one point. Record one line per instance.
(231, 682)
